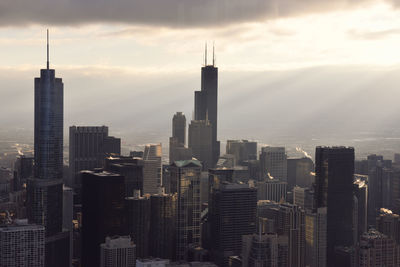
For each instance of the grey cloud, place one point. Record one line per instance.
(168, 13)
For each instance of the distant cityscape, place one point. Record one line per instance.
(194, 204)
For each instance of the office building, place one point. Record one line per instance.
(264, 249)
(315, 237)
(299, 172)
(152, 262)
(44, 190)
(273, 161)
(177, 151)
(334, 190)
(138, 213)
(118, 251)
(152, 169)
(388, 224)
(179, 127)
(272, 189)
(201, 142)
(162, 226)
(360, 208)
(242, 150)
(23, 169)
(206, 106)
(376, 249)
(185, 181)
(130, 168)
(231, 215)
(303, 197)
(88, 147)
(102, 206)
(22, 245)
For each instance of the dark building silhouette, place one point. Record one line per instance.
(200, 142)
(299, 172)
(103, 212)
(179, 127)
(162, 226)
(360, 208)
(334, 189)
(177, 148)
(242, 150)
(23, 169)
(88, 147)
(131, 169)
(206, 104)
(232, 214)
(138, 212)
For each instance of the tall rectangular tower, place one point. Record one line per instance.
(206, 102)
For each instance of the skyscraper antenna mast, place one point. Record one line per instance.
(48, 49)
(213, 55)
(205, 56)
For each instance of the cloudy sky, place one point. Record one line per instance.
(285, 66)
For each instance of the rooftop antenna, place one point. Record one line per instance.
(47, 48)
(205, 56)
(213, 55)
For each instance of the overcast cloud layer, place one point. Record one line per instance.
(169, 13)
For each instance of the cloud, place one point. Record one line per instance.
(372, 35)
(171, 13)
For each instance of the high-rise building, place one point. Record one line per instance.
(200, 142)
(273, 162)
(360, 210)
(334, 189)
(303, 197)
(22, 245)
(185, 181)
(265, 249)
(179, 127)
(103, 212)
(152, 169)
(299, 172)
(206, 104)
(376, 249)
(242, 150)
(271, 189)
(130, 168)
(23, 169)
(88, 147)
(388, 224)
(162, 226)
(138, 213)
(315, 237)
(118, 251)
(231, 214)
(44, 191)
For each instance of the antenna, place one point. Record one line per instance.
(47, 48)
(213, 55)
(205, 56)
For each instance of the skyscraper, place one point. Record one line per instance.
(273, 161)
(44, 191)
(315, 237)
(103, 212)
(179, 127)
(118, 251)
(206, 103)
(185, 180)
(242, 150)
(271, 189)
(334, 189)
(152, 169)
(22, 245)
(232, 214)
(200, 142)
(177, 148)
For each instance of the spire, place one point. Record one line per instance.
(47, 48)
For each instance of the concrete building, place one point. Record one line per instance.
(22, 245)
(273, 161)
(271, 189)
(185, 181)
(152, 169)
(201, 142)
(118, 251)
(388, 224)
(299, 172)
(231, 215)
(303, 197)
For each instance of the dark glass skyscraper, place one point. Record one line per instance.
(206, 102)
(334, 170)
(44, 191)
